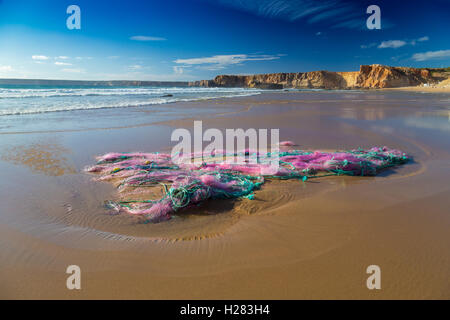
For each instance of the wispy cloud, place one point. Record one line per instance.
(221, 61)
(6, 69)
(392, 44)
(370, 45)
(178, 70)
(73, 70)
(431, 55)
(147, 38)
(59, 63)
(39, 57)
(421, 39)
(62, 57)
(335, 13)
(331, 14)
(135, 67)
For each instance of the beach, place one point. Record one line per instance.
(295, 240)
(429, 89)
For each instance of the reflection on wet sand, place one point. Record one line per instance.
(46, 158)
(365, 113)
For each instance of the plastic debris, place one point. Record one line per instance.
(192, 183)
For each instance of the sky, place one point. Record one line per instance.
(175, 40)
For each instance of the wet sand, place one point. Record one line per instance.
(431, 89)
(296, 240)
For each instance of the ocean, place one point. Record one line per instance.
(15, 100)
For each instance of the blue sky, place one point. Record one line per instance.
(198, 39)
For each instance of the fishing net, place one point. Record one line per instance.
(190, 183)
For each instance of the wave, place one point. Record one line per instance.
(49, 93)
(25, 109)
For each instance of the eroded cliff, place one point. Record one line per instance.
(369, 76)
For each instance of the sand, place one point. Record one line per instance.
(440, 88)
(296, 240)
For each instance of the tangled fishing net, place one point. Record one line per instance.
(189, 184)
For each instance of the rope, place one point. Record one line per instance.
(191, 184)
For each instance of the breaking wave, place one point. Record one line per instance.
(18, 101)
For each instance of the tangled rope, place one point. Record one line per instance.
(194, 182)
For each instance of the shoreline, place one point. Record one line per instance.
(431, 89)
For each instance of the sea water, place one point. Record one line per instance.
(35, 108)
(37, 99)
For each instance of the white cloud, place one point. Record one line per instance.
(59, 63)
(147, 38)
(221, 61)
(38, 57)
(392, 44)
(178, 70)
(73, 70)
(6, 68)
(336, 13)
(62, 57)
(398, 43)
(421, 39)
(440, 54)
(135, 67)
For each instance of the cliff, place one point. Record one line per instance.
(368, 76)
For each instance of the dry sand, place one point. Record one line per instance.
(294, 241)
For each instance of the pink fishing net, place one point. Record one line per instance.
(192, 182)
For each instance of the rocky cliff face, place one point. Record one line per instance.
(377, 76)
(373, 76)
